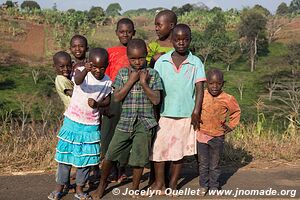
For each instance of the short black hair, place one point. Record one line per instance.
(137, 44)
(169, 14)
(216, 72)
(81, 37)
(183, 27)
(98, 52)
(61, 54)
(125, 21)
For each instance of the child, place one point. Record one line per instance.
(117, 59)
(182, 75)
(216, 105)
(79, 136)
(63, 84)
(138, 88)
(78, 48)
(164, 23)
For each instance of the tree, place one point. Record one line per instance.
(113, 9)
(293, 57)
(274, 25)
(212, 39)
(71, 10)
(216, 9)
(295, 6)
(185, 8)
(30, 5)
(9, 4)
(96, 15)
(252, 25)
(229, 53)
(262, 10)
(282, 9)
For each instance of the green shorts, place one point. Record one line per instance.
(136, 143)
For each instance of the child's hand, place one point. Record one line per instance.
(156, 56)
(105, 111)
(88, 66)
(226, 128)
(92, 103)
(196, 120)
(134, 75)
(144, 77)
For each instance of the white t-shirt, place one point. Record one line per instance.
(79, 109)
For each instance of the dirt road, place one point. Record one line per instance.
(276, 183)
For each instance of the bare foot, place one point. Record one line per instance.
(99, 192)
(156, 190)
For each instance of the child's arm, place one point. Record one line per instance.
(153, 95)
(102, 103)
(80, 75)
(68, 92)
(121, 93)
(234, 115)
(198, 105)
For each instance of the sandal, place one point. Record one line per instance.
(122, 178)
(82, 196)
(54, 195)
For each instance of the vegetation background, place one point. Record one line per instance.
(258, 51)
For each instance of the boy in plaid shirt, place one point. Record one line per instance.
(138, 88)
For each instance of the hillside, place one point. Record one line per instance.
(30, 109)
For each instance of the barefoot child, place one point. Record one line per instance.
(216, 106)
(138, 88)
(78, 48)
(182, 75)
(79, 136)
(117, 58)
(164, 23)
(63, 84)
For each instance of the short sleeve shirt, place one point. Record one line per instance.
(179, 84)
(79, 110)
(61, 85)
(136, 104)
(117, 59)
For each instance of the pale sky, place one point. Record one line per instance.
(271, 5)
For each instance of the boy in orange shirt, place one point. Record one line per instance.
(211, 136)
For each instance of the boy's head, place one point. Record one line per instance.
(98, 58)
(125, 30)
(215, 82)
(136, 53)
(79, 47)
(164, 23)
(181, 38)
(62, 63)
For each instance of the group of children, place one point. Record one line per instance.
(133, 104)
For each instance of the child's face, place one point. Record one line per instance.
(181, 41)
(163, 27)
(78, 48)
(125, 32)
(137, 58)
(63, 66)
(98, 67)
(214, 84)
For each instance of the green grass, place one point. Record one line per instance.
(17, 87)
(255, 82)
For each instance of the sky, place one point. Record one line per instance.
(271, 5)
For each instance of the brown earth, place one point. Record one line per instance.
(33, 45)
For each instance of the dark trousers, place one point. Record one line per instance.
(63, 174)
(209, 162)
